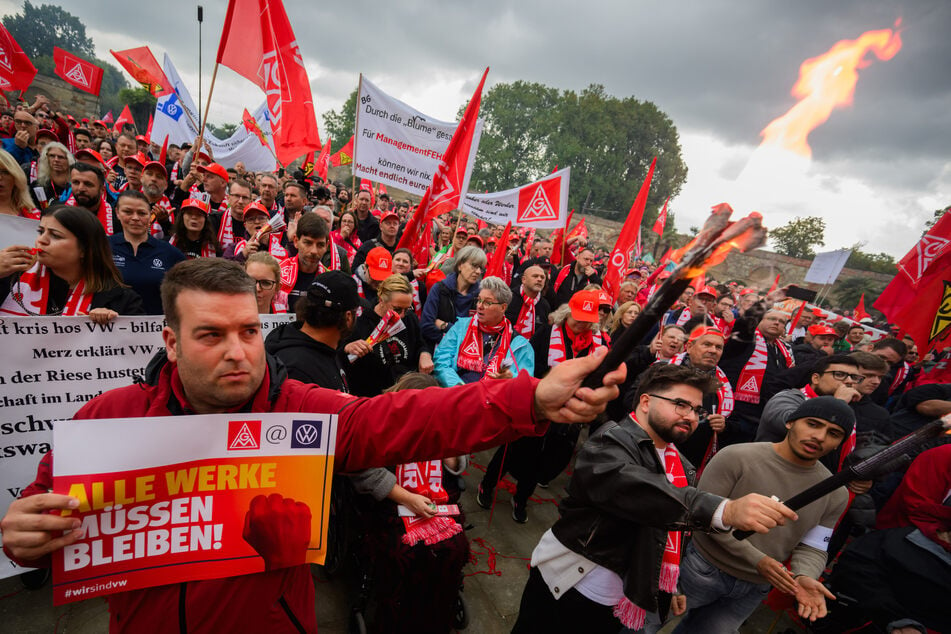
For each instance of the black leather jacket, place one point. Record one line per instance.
(620, 507)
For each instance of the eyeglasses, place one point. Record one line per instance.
(265, 285)
(839, 375)
(682, 407)
(486, 302)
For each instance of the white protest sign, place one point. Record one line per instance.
(397, 145)
(542, 204)
(51, 367)
(827, 266)
(17, 231)
(170, 119)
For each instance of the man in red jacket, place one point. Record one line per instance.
(217, 363)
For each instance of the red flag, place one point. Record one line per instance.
(367, 186)
(581, 229)
(252, 126)
(124, 117)
(307, 166)
(450, 179)
(860, 313)
(144, 68)
(795, 320)
(323, 160)
(76, 71)
(163, 155)
(16, 71)
(383, 189)
(558, 241)
(501, 250)
(918, 299)
(621, 254)
(258, 43)
(661, 221)
(107, 118)
(775, 284)
(148, 131)
(343, 156)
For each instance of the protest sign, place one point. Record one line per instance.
(542, 204)
(17, 231)
(826, 266)
(178, 498)
(397, 145)
(51, 367)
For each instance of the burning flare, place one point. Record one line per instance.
(827, 82)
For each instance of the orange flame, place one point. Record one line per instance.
(825, 83)
(750, 237)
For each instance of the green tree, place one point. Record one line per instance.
(39, 28)
(141, 105)
(340, 124)
(937, 216)
(877, 262)
(799, 237)
(848, 292)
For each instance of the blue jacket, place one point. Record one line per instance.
(435, 301)
(520, 355)
(20, 154)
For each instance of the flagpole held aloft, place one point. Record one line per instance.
(201, 15)
(211, 90)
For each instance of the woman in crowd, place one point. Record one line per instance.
(453, 297)
(403, 264)
(107, 150)
(52, 173)
(380, 366)
(69, 272)
(266, 271)
(346, 235)
(624, 316)
(15, 197)
(142, 259)
(484, 346)
(193, 233)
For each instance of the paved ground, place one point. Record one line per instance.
(493, 586)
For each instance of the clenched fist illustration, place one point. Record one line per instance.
(279, 529)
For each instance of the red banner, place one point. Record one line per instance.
(16, 71)
(258, 43)
(76, 71)
(661, 221)
(323, 160)
(125, 117)
(627, 240)
(145, 69)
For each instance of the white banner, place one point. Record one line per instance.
(827, 266)
(397, 145)
(51, 367)
(542, 204)
(176, 116)
(16, 231)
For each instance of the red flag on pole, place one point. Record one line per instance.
(258, 43)
(251, 125)
(918, 299)
(323, 160)
(108, 118)
(367, 186)
(76, 71)
(450, 180)
(860, 313)
(307, 166)
(558, 240)
(496, 265)
(661, 221)
(343, 156)
(124, 117)
(148, 131)
(775, 284)
(16, 71)
(145, 69)
(621, 254)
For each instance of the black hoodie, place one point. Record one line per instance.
(306, 359)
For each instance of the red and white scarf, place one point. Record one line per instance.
(579, 343)
(724, 407)
(207, 250)
(425, 478)
(274, 246)
(351, 244)
(525, 324)
(684, 317)
(471, 354)
(562, 276)
(279, 303)
(289, 268)
(631, 615)
(899, 377)
(104, 213)
(30, 212)
(417, 304)
(334, 256)
(226, 231)
(750, 381)
(33, 291)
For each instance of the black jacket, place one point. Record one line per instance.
(620, 507)
(390, 359)
(306, 359)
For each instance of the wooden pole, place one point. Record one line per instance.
(204, 119)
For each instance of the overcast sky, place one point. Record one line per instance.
(720, 69)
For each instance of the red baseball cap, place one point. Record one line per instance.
(216, 169)
(257, 208)
(462, 230)
(379, 264)
(138, 158)
(202, 155)
(477, 238)
(92, 154)
(142, 138)
(708, 290)
(100, 122)
(157, 166)
(604, 299)
(701, 331)
(822, 329)
(47, 133)
(584, 305)
(194, 203)
(389, 214)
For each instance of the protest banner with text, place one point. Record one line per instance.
(542, 204)
(397, 145)
(52, 366)
(170, 499)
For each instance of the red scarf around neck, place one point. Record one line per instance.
(579, 343)
(33, 291)
(425, 478)
(471, 354)
(525, 324)
(750, 381)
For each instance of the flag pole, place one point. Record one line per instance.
(201, 15)
(204, 119)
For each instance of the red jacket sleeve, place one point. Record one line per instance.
(42, 484)
(413, 425)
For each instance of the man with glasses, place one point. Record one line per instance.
(22, 146)
(228, 223)
(616, 547)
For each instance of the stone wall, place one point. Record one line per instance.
(67, 99)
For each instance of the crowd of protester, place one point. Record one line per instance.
(744, 374)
